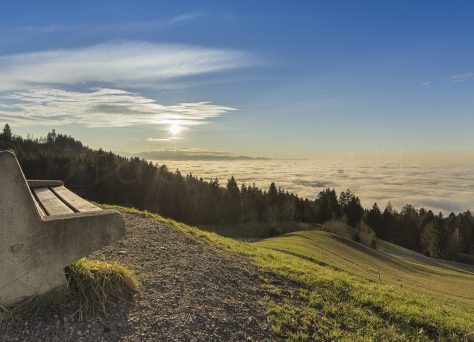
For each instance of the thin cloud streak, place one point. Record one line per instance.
(462, 77)
(186, 17)
(131, 26)
(132, 64)
(163, 139)
(102, 108)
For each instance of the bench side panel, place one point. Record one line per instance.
(19, 218)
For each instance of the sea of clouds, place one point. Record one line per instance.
(441, 187)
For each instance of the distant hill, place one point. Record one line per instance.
(351, 292)
(433, 278)
(183, 155)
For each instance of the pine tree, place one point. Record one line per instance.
(374, 219)
(51, 136)
(327, 206)
(6, 134)
(351, 208)
(233, 202)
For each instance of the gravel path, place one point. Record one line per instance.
(189, 292)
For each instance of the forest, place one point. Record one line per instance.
(106, 177)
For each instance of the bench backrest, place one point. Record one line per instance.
(17, 207)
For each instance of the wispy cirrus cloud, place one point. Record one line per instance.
(118, 64)
(128, 26)
(35, 87)
(186, 17)
(102, 108)
(462, 77)
(163, 139)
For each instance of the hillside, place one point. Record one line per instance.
(433, 278)
(197, 285)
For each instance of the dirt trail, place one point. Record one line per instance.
(189, 292)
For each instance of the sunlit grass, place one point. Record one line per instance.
(329, 302)
(445, 282)
(97, 283)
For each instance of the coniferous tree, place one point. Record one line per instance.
(6, 136)
(233, 205)
(374, 219)
(409, 228)
(327, 206)
(351, 208)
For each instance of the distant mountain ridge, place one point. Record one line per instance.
(183, 155)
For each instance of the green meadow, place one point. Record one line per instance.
(446, 282)
(318, 286)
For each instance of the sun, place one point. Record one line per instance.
(175, 129)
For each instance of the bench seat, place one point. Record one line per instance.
(58, 200)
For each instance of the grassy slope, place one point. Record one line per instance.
(258, 230)
(444, 282)
(340, 301)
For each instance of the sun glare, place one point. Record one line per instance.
(175, 129)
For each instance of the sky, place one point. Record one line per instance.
(276, 79)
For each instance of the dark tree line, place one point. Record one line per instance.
(109, 178)
(421, 230)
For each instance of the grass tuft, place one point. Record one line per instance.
(97, 283)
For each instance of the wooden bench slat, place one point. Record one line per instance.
(51, 204)
(74, 200)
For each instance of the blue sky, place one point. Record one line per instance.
(283, 79)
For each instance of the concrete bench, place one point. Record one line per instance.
(44, 227)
